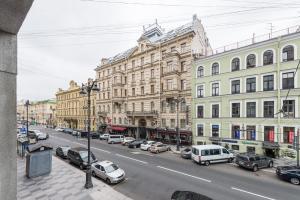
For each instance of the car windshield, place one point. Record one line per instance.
(111, 168)
(84, 156)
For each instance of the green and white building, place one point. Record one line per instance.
(247, 98)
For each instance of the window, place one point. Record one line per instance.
(163, 106)
(183, 106)
(120, 120)
(215, 130)
(133, 77)
(215, 89)
(142, 106)
(173, 49)
(288, 53)
(183, 66)
(251, 134)
(268, 82)
(268, 57)
(199, 129)
(200, 72)
(200, 112)
(235, 112)
(215, 69)
(169, 84)
(172, 107)
(133, 92)
(269, 133)
(125, 93)
(288, 80)
(152, 73)
(172, 123)
(289, 108)
(183, 84)
(235, 132)
(268, 109)
(200, 91)
(152, 89)
(251, 61)
(288, 134)
(142, 90)
(183, 46)
(142, 61)
(235, 87)
(142, 76)
(235, 64)
(133, 63)
(170, 66)
(133, 107)
(163, 122)
(251, 109)
(182, 123)
(152, 57)
(215, 111)
(251, 84)
(152, 106)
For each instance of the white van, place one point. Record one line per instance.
(206, 154)
(112, 139)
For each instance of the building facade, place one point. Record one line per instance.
(247, 98)
(39, 112)
(71, 109)
(136, 85)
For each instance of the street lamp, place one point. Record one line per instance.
(177, 101)
(27, 105)
(86, 90)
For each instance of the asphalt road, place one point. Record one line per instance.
(157, 176)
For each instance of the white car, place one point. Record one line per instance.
(40, 135)
(127, 140)
(59, 129)
(104, 136)
(146, 145)
(108, 171)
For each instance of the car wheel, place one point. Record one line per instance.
(108, 181)
(270, 165)
(230, 160)
(112, 142)
(295, 181)
(168, 149)
(207, 163)
(81, 166)
(157, 151)
(255, 168)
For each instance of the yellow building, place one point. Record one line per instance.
(71, 110)
(136, 84)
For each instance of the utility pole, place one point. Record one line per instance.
(297, 144)
(27, 105)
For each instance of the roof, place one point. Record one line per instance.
(105, 163)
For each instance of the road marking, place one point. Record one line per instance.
(100, 149)
(178, 172)
(258, 195)
(131, 159)
(269, 170)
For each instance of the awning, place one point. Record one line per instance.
(118, 128)
(270, 145)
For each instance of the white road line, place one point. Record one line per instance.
(131, 158)
(100, 149)
(269, 170)
(258, 195)
(178, 172)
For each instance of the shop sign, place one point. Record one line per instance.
(248, 142)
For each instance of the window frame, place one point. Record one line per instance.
(235, 64)
(214, 66)
(248, 66)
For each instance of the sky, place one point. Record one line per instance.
(64, 40)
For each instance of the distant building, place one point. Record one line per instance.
(247, 98)
(136, 84)
(71, 110)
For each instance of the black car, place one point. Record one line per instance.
(62, 151)
(95, 135)
(136, 144)
(253, 161)
(188, 195)
(79, 156)
(289, 173)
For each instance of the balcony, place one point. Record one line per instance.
(118, 71)
(133, 84)
(152, 80)
(170, 70)
(118, 99)
(102, 113)
(118, 84)
(142, 82)
(153, 113)
(170, 92)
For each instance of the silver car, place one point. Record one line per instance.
(108, 171)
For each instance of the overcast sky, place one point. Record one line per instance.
(63, 40)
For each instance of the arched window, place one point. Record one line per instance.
(288, 53)
(251, 61)
(215, 69)
(235, 64)
(200, 72)
(268, 57)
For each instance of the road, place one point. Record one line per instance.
(157, 176)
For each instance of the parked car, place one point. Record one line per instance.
(94, 135)
(136, 143)
(32, 137)
(41, 135)
(206, 154)
(127, 140)
(62, 151)
(79, 156)
(146, 145)
(186, 153)
(104, 136)
(59, 129)
(76, 133)
(253, 161)
(68, 130)
(159, 147)
(112, 139)
(289, 173)
(188, 195)
(108, 171)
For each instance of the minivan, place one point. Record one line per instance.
(112, 139)
(79, 156)
(206, 154)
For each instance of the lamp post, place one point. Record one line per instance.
(177, 101)
(87, 90)
(27, 105)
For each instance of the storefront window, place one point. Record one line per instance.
(215, 130)
(288, 134)
(235, 132)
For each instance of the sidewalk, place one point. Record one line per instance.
(65, 182)
(284, 161)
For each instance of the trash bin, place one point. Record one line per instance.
(38, 160)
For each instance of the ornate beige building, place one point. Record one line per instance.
(71, 109)
(39, 112)
(136, 84)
